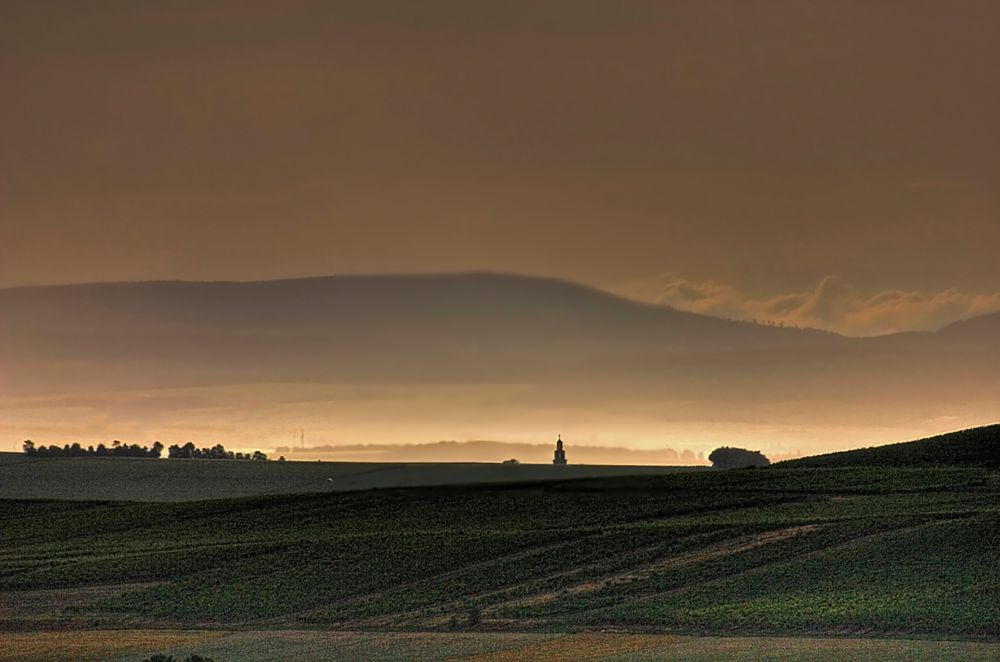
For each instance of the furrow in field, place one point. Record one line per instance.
(860, 540)
(440, 577)
(727, 548)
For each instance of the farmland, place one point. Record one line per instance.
(906, 557)
(775, 550)
(133, 479)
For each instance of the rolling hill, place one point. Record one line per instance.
(856, 550)
(976, 447)
(434, 327)
(859, 559)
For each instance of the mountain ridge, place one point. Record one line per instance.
(409, 279)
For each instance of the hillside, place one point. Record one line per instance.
(976, 447)
(855, 551)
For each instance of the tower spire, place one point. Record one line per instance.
(559, 457)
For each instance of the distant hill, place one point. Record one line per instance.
(982, 330)
(976, 447)
(428, 327)
(412, 358)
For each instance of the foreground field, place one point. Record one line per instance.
(312, 646)
(133, 479)
(851, 551)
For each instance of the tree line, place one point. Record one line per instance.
(118, 449)
(218, 452)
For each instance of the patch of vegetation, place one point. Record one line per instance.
(727, 457)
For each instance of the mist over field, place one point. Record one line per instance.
(418, 359)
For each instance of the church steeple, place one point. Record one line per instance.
(560, 454)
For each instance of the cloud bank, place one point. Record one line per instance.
(833, 305)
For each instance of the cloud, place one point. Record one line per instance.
(834, 305)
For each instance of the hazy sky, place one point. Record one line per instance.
(756, 146)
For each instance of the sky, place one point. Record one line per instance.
(764, 148)
(830, 164)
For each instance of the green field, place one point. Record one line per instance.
(840, 551)
(904, 561)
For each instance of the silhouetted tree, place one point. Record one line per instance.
(217, 452)
(28, 446)
(727, 457)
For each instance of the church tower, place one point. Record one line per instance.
(560, 455)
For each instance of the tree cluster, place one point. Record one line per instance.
(727, 457)
(218, 452)
(117, 449)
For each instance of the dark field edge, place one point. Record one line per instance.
(973, 447)
(780, 478)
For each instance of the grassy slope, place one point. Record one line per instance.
(975, 447)
(777, 550)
